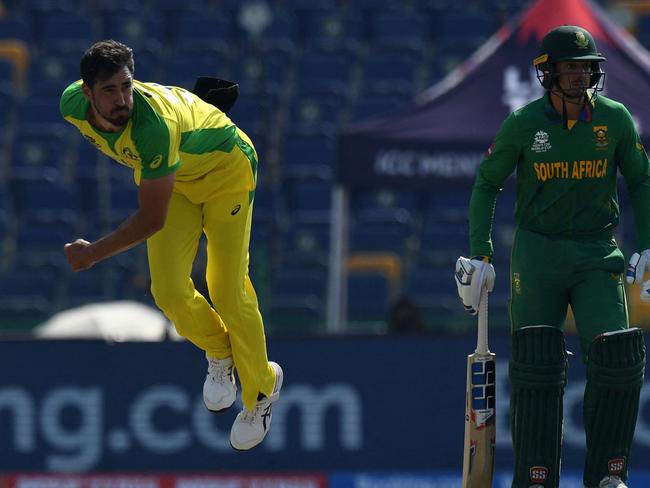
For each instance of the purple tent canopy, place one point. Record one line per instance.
(445, 132)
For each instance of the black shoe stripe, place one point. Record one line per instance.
(266, 414)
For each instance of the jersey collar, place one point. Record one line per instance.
(585, 113)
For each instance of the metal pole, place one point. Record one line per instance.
(337, 275)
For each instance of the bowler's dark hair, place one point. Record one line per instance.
(103, 59)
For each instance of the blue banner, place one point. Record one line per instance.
(348, 404)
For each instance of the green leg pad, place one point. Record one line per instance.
(615, 366)
(538, 368)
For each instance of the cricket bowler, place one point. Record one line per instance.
(567, 149)
(196, 173)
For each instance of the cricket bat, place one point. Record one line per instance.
(480, 428)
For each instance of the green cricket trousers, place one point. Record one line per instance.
(548, 274)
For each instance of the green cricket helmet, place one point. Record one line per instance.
(568, 43)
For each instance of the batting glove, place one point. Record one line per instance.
(471, 276)
(636, 269)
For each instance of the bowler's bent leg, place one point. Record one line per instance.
(171, 252)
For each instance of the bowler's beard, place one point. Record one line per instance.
(118, 116)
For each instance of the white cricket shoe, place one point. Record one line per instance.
(219, 389)
(251, 426)
(611, 482)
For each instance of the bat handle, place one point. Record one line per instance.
(482, 342)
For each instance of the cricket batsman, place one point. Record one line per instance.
(567, 149)
(196, 173)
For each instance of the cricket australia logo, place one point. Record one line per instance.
(128, 154)
(541, 144)
(129, 158)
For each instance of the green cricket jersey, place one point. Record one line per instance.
(566, 179)
(170, 130)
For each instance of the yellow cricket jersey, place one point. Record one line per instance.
(172, 130)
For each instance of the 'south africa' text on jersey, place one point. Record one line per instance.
(578, 170)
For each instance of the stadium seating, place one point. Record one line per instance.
(386, 198)
(37, 150)
(381, 229)
(42, 108)
(296, 302)
(391, 26)
(90, 286)
(371, 104)
(333, 65)
(333, 27)
(63, 29)
(199, 27)
(307, 242)
(4, 224)
(25, 300)
(16, 27)
(7, 104)
(368, 298)
(309, 154)
(6, 72)
(307, 194)
(136, 28)
(305, 69)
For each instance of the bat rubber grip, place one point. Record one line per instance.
(482, 341)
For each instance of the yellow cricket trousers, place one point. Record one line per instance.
(234, 326)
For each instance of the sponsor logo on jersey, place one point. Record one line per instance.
(236, 209)
(540, 143)
(538, 474)
(615, 466)
(156, 161)
(92, 140)
(601, 141)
